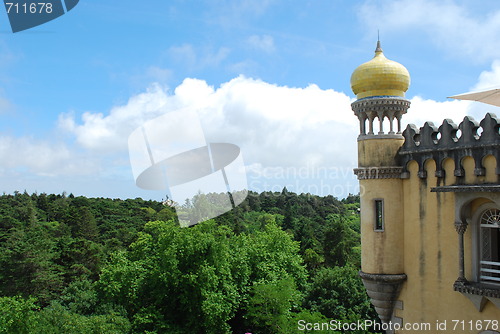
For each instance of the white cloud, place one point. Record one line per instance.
(422, 111)
(448, 25)
(275, 124)
(277, 127)
(304, 138)
(263, 43)
(282, 126)
(108, 133)
(489, 79)
(41, 158)
(245, 66)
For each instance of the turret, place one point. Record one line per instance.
(380, 85)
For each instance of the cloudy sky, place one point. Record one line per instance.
(271, 76)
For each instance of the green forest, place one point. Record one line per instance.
(98, 265)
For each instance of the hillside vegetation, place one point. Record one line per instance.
(96, 265)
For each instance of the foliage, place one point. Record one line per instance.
(27, 259)
(338, 293)
(194, 280)
(339, 242)
(19, 316)
(16, 315)
(97, 265)
(270, 306)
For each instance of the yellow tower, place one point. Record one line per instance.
(380, 85)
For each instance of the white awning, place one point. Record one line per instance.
(491, 96)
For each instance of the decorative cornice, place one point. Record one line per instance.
(368, 173)
(469, 188)
(438, 144)
(377, 104)
(383, 278)
(380, 136)
(476, 289)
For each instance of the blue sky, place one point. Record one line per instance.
(271, 76)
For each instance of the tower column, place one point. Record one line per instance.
(379, 85)
(391, 125)
(381, 122)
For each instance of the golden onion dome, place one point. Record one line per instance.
(380, 77)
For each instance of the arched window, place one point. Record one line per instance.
(482, 213)
(489, 245)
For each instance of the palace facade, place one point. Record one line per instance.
(430, 210)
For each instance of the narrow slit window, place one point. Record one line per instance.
(379, 215)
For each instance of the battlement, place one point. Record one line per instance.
(451, 141)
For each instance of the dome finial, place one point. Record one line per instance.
(379, 48)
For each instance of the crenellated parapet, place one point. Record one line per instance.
(438, 144)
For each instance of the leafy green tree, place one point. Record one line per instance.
(174, 279)
(28, 266)
(338, 293)
(95, 265)
(312, 259)
(80, 297)
(196, 280)
(16, 315)
(273, 255)
(85, 225)
(20, 316)
(164, 214)
(270, 306)
(339, 241)
(81, 258)
(57, 319)
(351, 199)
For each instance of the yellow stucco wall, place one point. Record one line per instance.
(430, 250)
(381, 251)
(378, 152)
(420, 240)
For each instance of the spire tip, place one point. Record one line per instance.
(379, 48)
